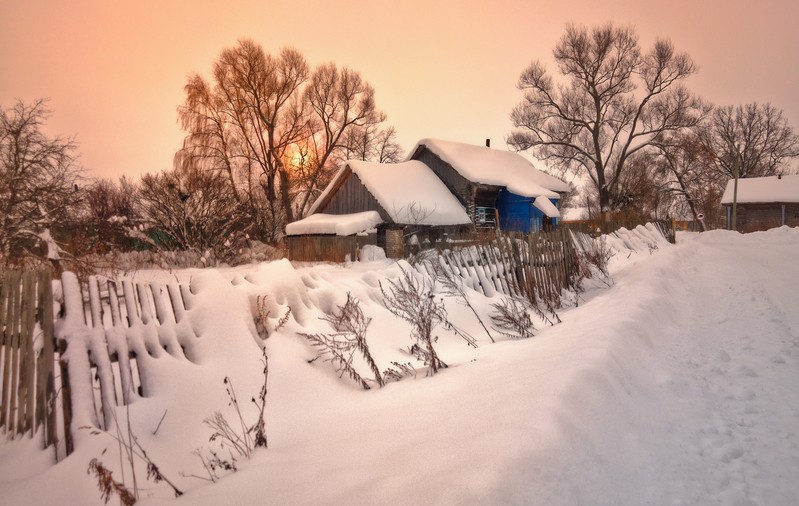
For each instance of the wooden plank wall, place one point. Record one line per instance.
(27, 356)
(326, 248)
(38, 395)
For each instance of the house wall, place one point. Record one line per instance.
(757, 217)
(353, 197)
(517, 213)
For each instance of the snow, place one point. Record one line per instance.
(485, 165)
(547, 207)
(574, 213)
(672, 383)
(410, 193)
(338, 224)
(763, 189)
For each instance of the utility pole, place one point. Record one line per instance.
(736, 171)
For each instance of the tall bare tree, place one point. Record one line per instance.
(760, 133)
(341, 101)
(612, 103)
(685, 170)
(272, 127)
(244, 123)
(38, 179)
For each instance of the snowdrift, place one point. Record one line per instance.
(671, 383)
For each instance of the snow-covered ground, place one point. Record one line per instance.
(677, 384)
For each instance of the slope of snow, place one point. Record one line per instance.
(481, 164)
(675, 385)
(763, 189)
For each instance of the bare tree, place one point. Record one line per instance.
(341, 101)
(273, 127)
(38, 180)
(109, 210)
(244, 123)
(760, 133)
(683, 166)
(196, 209)
(613, 103)
(373, 143)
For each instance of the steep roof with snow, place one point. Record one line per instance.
(485, 165)
(763, 190)
(410, 193)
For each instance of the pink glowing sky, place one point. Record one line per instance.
(114, 71)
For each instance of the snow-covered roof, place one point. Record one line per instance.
(486, 165)
(547, 207)
(338, 224)
(763, 189)
(410, 192)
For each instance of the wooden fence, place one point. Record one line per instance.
(105, 336)
(598, 227)
(28, 354)
(536, 266)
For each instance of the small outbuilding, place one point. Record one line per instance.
(763, 202)
(390, 205)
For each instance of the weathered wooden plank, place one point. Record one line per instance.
(95, 303)
(130, 303)
(113, 303)
(27, 380)
(176, 298)
(13, 323)
(5, 344)
(47, 376)
(66, 396)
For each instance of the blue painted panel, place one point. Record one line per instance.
(517, 213)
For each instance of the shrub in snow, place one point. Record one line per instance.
(240, 437)
(414, 302)
(511, 317)
(350, 326)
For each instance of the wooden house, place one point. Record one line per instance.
(498, 188)
(399, 203)
(763, 202)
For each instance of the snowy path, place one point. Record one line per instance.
(712, 411)
(731, 398)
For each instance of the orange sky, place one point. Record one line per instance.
(115, 70)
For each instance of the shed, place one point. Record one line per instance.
(500, 189)
(404, 200)
(763, 202)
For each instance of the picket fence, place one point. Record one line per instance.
(101, 333)
(537, 266)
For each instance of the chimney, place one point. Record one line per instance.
(779, 176)
(488, 143)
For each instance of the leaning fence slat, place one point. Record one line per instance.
(47, 375)
(13, 324)
(5, 340)
(27, 379)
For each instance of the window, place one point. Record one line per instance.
(480, 215)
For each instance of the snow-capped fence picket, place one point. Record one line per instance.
(27, 363)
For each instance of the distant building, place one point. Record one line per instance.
(763, 202)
